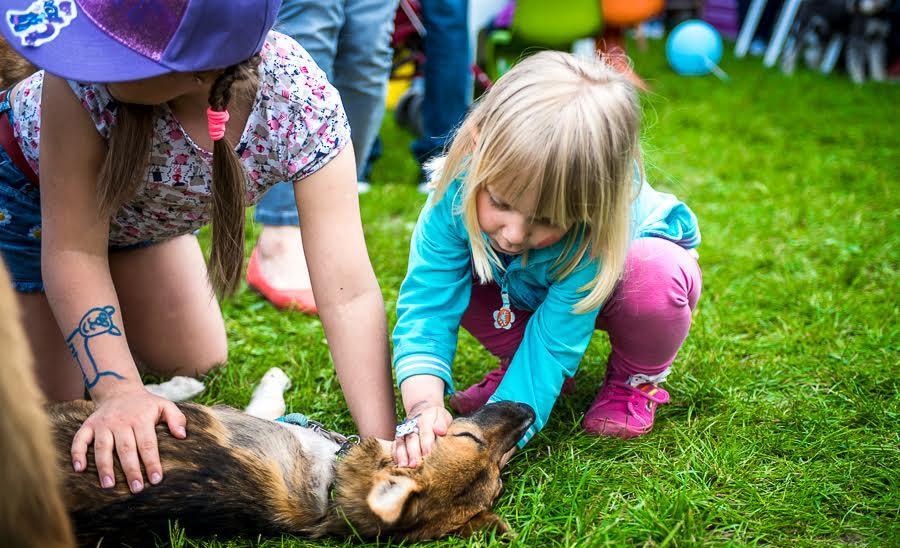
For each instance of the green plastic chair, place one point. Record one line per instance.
(537, 25)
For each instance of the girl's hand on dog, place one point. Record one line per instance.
(126, 421)
(433, 420)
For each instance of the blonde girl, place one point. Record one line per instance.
(540, 229)
(150, 120)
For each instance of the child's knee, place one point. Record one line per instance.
(659, 288)
(208, 360)
(204, 366)
(660, 278)
(194, 362)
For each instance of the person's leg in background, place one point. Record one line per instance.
(648, 318)
(448, 88)
(350, 41)
(277, 266)
(362, 67)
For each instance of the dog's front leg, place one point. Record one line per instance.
(267, 401)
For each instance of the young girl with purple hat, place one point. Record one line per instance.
(150, 120)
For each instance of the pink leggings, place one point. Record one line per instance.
(647, 317)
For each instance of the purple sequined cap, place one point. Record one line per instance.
(144, 27)
(121, 40)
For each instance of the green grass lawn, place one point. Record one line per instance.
(783, 426)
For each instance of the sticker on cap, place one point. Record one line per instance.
(42, 21)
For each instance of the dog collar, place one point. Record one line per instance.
(345, 442)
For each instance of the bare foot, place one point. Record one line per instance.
(279, 252)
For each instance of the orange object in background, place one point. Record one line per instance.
(628, 13)
(619, 15)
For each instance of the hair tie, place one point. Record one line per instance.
(216, 120)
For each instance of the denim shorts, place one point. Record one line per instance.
(20, 224)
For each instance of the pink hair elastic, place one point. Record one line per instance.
(216, 120)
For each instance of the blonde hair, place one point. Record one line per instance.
(568, 127)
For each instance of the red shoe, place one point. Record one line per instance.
(473, 398)
(625, 407)
(283, 299)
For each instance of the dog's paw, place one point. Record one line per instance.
(275, 378)
(177, 389)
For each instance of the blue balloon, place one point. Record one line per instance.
(694, 48)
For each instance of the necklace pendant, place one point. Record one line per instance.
(504, 318)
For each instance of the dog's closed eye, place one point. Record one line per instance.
(478, 440)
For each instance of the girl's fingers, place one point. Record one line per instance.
(426, 440)
(442, 424)
(400, 456)
(80, 444)
(126, 448)
(175, 419)
(145, 436)
(413, 449)
(103, 457)
(409, 450)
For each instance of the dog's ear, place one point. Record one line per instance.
(389, 494)
(485, 521)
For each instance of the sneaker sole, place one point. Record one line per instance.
(609, 428)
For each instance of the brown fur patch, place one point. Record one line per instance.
(32, 512)
(216, 481)
(13, 68)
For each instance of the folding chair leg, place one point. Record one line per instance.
(748, 29)
(780, 34)
(832, 52)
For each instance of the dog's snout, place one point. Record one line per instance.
(512, 416)
(529, 412)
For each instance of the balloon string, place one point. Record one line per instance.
(716, 69)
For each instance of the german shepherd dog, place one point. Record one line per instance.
(236, 474)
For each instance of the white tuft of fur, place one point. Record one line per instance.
(267, 401)
(176, 389)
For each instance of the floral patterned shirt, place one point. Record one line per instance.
(296, 126)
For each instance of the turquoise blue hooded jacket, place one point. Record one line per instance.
(438, 282)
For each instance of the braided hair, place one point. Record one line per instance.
(227, 254)
(125, 168)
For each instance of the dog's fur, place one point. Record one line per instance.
(13, 67)
(31, 512)
(237, 474)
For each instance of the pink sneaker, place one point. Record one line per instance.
(626, 405)
(474, 397)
